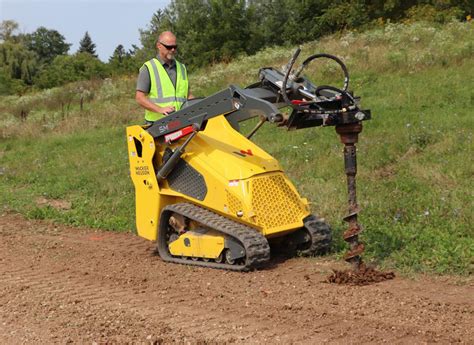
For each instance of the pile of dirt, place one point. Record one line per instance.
(365, 275)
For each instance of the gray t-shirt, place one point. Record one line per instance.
(143, 81)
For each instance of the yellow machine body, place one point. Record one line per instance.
(232, 175)
(198, 244)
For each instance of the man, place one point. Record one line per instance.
(162, 85)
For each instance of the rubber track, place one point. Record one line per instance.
(321, 237)
(256, 245)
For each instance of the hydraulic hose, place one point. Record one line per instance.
(327, 56)
(289, 67)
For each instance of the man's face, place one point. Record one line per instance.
(167, 48)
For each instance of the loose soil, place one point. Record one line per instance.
(74, 285)
(364, 275)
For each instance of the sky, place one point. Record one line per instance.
(109, 22)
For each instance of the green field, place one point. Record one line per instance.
(415, 156)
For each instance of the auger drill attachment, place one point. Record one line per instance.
(349, 135)
(211, 197)
(348, 131)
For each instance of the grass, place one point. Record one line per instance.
(415, 165)
(89, 169)
(415, 171)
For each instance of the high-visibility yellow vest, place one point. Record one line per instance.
(162, 91)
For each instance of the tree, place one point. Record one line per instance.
(266, 25)
(17, 62)
(119, 54)
(207, 30)
(193, 48)
(70, 68)
(86, 45)
(227, 29)
(9, 86)
(160, 21)
(341, 15)
(122, 61)
(7, 28)
(47, 44)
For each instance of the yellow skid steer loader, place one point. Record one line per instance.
(210, 196)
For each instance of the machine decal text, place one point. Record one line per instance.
(142, 170)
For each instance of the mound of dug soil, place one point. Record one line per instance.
(364, 276)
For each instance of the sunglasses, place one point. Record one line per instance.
(169, 47)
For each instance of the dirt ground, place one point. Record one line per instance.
(76, 285)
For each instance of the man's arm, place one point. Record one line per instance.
(190, 94)
(142, 100)
(142, 90)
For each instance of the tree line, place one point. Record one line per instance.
(208, 31)
(218, 30)
(40, 60)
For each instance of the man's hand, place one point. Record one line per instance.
(166, 110)
(142, 100)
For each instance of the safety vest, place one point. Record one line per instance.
(162, 91)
